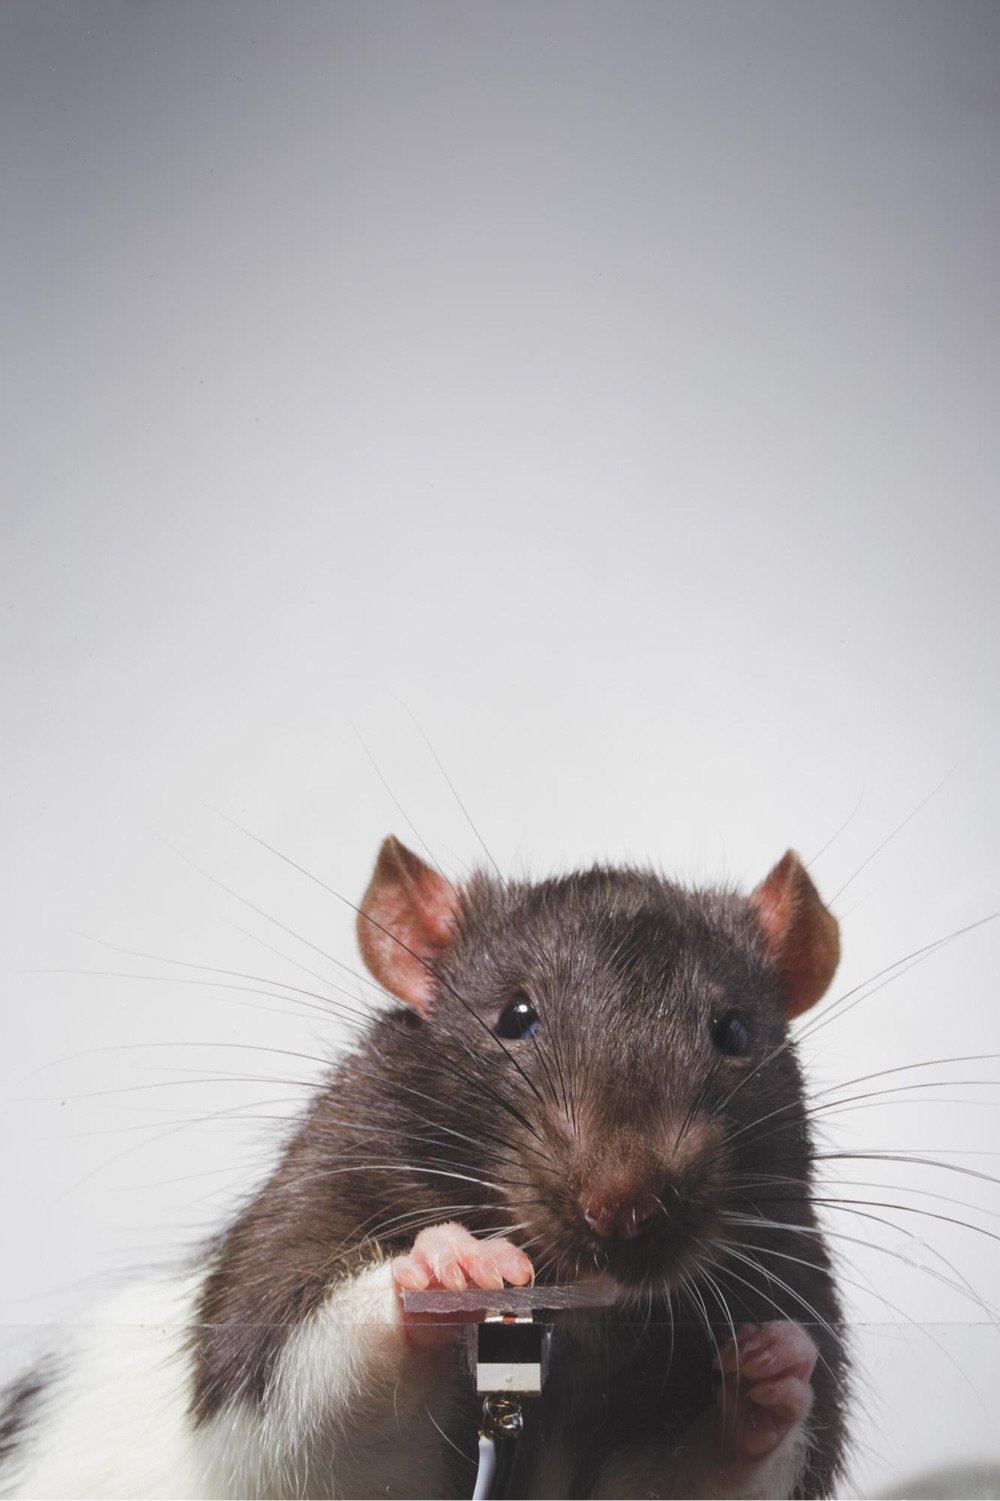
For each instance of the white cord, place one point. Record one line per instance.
(487, 1469)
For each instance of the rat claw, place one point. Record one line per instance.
(409, 1274)
(485, 1272)
(732, 1355)
(512, 1263)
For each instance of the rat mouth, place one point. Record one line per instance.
(663, 1265)
(661, 1259)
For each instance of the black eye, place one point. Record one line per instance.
(730, 1035)
(518, 1018)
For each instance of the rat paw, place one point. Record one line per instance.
(766, 1388)
(450, 1257)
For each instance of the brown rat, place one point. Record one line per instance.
(590, 1077)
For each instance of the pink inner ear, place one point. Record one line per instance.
(407, 919)
(773, 900)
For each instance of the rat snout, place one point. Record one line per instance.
(619, 1214)
(642, 1201)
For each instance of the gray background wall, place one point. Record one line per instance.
(613, 388)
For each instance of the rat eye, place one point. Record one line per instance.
(730, 1035)
(518, 1018)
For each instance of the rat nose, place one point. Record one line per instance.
(619, 1219)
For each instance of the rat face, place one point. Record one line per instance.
(616, 1047)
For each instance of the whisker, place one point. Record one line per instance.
(921, 1328)
(454, 792)
(867, 1245)
(418, 958)
(889, 837)
(429, 852)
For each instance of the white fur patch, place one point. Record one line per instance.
(348, 1413)
(113, 1423)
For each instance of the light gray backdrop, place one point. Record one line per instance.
(610, 387)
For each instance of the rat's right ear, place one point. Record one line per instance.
(405, 921)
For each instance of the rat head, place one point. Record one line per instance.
(609, 1050)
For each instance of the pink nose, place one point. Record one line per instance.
(615, 1219)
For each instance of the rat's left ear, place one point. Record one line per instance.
(800, 935)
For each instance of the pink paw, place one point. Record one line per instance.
(450, 1257)
(766, 1388)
